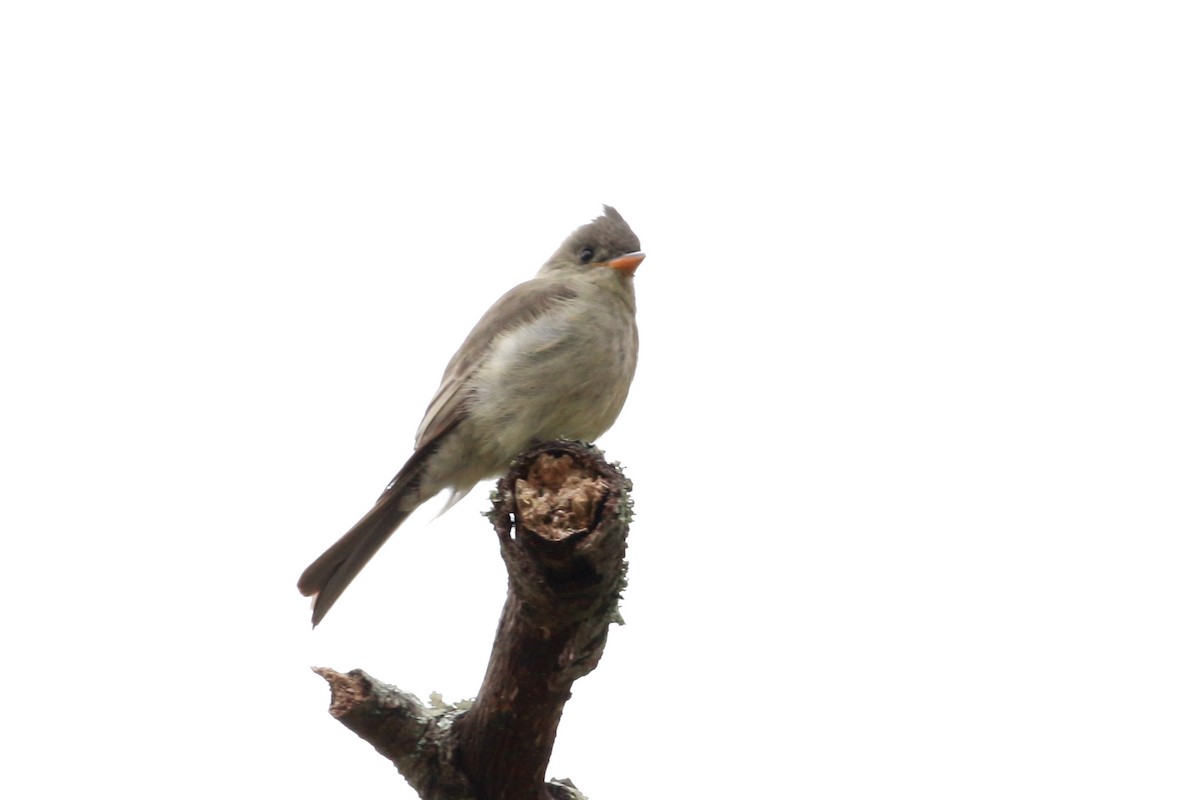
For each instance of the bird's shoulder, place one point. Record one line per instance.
(521, 305)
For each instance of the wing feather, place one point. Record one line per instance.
(518, 306)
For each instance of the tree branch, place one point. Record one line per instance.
(562, 516)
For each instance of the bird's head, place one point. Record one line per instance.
(606, 242)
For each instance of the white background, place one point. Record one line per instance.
(914, 436)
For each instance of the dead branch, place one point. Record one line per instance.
(561, 516)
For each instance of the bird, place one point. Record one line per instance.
(553, 358)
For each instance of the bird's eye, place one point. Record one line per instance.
(586, 255)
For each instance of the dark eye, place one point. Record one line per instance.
(586, 255)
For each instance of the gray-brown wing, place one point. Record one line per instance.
(520, 304)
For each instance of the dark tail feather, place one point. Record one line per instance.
(328, 576)
(331, 573)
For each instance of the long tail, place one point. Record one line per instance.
(328, 576)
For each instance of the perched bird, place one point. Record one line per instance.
(553, 358)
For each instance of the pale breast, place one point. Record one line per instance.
(565, 374)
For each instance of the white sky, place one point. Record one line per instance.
(914, 434)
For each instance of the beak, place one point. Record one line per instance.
(628, 262)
